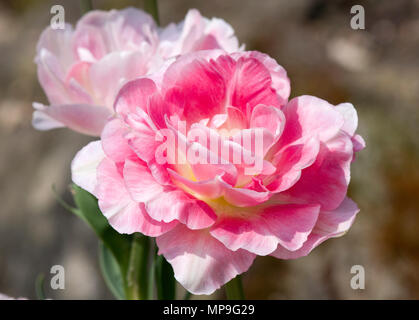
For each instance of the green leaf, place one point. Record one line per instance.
(86, 6)
(234, 289)
(123, 258)
(111, 272)
(165, 279)
(118, 244)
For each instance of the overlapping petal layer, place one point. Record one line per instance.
(81, 70)
(211, 158)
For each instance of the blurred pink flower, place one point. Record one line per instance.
(82, 70)
(212, 218)
(4, 297)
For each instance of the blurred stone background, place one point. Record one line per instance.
(376, 69)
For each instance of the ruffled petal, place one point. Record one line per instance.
(124, 214)
(326, 180)
(200, 262)
(82, 118)
(84, 166)
(329, 225)
(261, 232)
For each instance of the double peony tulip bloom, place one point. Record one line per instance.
(202, 151)
(82, 70)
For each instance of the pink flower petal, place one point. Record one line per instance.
(350, 117)
(82, 118)
(101, 32)
(248, 82)
(114, 143)
(290, 161)
(280, 81)
(109, 74)
(326, 180)
(268, 117)
(329, 225)
(84, 166)
(140, 183)
(260, 232)
(176, 205)
(200, 85)
(133, 95)
(201, 263)
(51, 76)
(309, 116)
(58, 43)
(124, 214)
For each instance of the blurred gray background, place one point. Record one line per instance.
(376, 69)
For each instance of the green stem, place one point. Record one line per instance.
(86, 6)
(39, 286)
(151, 7)
(136, 279)
(234, 289)
(165, 279)
(187, 295)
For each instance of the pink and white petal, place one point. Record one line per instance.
(79, 71)
(204, 163)
(248, 82)
(176, 205)
(290, 161)
(313, 241)
(134, 94)
(326, 180)
(83, 118)
(236, 118)
(260, 233)
(42, 121)
(142, 138)
(114, 143)
(84, 166)
(58, 43)
(110, 73)
(140, 184)
(329, 225)
(200, 262)
(51, 76)
(177, 39)
(101, 32)
(78, 82)
(251, 234)
(201, 86)
(268, 117)
(291, 223)
(280, 81)
(223, 33)
(134, 218)
(350, 117)
(242, 197)
(212, 189)
(358, 142)
(125, 215)
(5, 297)
(251, 144)
(88, 43)
(308, 116)
(338, 221)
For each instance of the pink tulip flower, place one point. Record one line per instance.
(212, 210)
(82, 70)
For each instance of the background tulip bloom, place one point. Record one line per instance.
(212, 219)
(82, 70)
